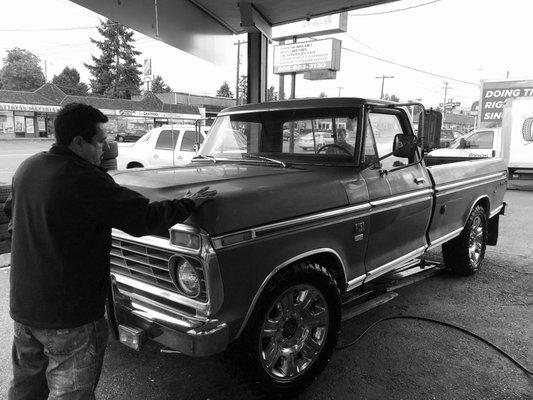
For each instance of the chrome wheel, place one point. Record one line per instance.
(475, 242)
(294, 332)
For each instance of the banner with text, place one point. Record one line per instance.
(493, 96)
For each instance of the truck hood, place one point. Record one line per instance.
(248, 195)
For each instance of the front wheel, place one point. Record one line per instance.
(465, 253)
(291, 334)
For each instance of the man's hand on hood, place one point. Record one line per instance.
(201, 196)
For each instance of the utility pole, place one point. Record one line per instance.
(446, 88)
(340, 88)
(45, 72)
(281, 80)
(293, 78)
(383, 77)
(238, 72)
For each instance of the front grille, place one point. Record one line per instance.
(147, 264)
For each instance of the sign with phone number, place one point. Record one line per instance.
(307, 56)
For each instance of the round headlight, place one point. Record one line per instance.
(188, 278)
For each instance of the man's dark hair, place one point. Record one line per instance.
(77, 119)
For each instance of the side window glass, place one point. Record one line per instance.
(370, 154)
(385, 127)
(167, 140)
(187, 143)
(482, 140)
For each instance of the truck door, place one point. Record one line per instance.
(164, 148)
(480, 144)
(185, 147)
(400, 194)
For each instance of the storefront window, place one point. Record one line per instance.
(7, 125)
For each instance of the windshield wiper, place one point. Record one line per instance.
(199, 157)
(255, 156)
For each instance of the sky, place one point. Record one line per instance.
(463, 41)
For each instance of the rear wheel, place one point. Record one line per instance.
(291, 334)
(465, 253)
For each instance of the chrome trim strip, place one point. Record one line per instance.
(175, 297)
(355, 282)
(152, 315)
(445, 238)
(394, 263)
(217, 241)
(275, 271)
(478, 181)
(394, 199)
(178, 313)
(495, 211)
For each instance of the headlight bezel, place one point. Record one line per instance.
(174, 267)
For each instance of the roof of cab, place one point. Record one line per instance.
(294, 104)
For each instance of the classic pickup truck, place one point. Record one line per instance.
(261, 272)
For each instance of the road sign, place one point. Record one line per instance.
(148, 78)
(328, 24)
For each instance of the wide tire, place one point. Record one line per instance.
(527, 132)
(465, 253)
(291, 334)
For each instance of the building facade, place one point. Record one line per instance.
(31, 114)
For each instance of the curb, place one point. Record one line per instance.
(27, 139)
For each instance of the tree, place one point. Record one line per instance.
(243, 89)
(225, 91)
(116, 72)
(159, 86)
(392, 97)
(69, 82)
(271, 94)
(21, 71)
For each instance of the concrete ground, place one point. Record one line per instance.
(399, 359)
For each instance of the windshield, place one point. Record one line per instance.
(296, 135)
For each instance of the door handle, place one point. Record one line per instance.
(179, 157)
(420, 180)
(155, 156)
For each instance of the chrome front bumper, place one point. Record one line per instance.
(179, 330)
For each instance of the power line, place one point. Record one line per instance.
(394, 11)
(411, 68)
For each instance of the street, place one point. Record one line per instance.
(398, 359)
(12, 153)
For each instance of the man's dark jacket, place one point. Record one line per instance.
(62, 210)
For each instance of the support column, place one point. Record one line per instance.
(257, 67)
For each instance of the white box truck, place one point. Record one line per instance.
(513, 141)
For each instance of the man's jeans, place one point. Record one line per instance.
(64, 363)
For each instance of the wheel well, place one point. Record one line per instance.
(485, 203)
(333, 265)
(134, 164)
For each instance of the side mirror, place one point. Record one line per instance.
(196, 147)
(429, 127)
(404, 146)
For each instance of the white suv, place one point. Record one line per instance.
(163, 146)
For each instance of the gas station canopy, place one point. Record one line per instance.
(202, 27)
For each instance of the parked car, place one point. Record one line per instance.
(307, 142)
(448, 136)
(163, 146)
(267, 270)
(129, 136)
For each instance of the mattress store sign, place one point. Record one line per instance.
(307, 56)
(28, 107)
